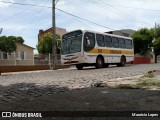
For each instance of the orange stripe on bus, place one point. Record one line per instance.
(107, 51)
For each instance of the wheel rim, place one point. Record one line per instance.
(100, 62)
(123, 61)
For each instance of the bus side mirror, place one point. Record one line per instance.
(87, 42)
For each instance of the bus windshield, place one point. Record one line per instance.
(71, 42)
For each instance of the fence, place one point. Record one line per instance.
(24, 59)
(46, 59)
(16, 59)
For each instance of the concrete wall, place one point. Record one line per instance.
(142, 60)
(5, 69)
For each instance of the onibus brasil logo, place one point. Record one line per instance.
(22, 115)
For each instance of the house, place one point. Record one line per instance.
(60, 31)
(22, 56)
(123, 32)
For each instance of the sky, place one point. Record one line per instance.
(26, 21)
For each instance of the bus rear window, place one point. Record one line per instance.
(128, 44)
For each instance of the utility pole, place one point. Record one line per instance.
(1, 30)
(155, 31)
(154, 40)
(54, 42)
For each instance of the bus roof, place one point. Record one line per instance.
(101, 33)
(107, 34)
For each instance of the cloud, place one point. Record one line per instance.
(27, 21)
(113, 16)
(4, 5)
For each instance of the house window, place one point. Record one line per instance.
(0, 55)
(22, 55)
(5, 56)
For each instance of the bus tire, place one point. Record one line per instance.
(122, 61)
(106, 65)
(99, 62)
(79, 66)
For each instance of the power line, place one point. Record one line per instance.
(105, 3)
(61, 11)
(31, 22)
(4, 20)
(133, 7)
(69, 20)
(56, 2)
(26, 4)
(84, 19)
(118, 12)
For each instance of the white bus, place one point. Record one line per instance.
(85, 48)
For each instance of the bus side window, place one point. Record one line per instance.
(108, 41)
(89, 41)
(115, 42)
(128, 44)
(121, 43)
(100, 40)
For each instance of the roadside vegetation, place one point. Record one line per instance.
(147, 39)
(125, 86)
(147, 81)
(139, 85)
(148, 75)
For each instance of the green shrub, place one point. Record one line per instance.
(148, 83)
(149, 75)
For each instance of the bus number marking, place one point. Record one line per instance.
(99, 50)
(115, 51)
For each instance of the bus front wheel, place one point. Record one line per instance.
(79, 66)
(99, 62)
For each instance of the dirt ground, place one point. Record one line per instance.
(90, 99)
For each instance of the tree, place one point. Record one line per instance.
(142, 40)
(20, 40)
(45, 44)
(156, 42)
(157, 47)
(8, 44)
(16, 39)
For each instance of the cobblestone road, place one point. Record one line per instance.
(34, 84)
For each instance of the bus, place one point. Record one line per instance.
(87, 48)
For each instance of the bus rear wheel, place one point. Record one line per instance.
(122, 62)
(79, 66)
(99, 62)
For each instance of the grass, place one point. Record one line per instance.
(124, 86)
(148, 83)
(149, 75)
(141, 84)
